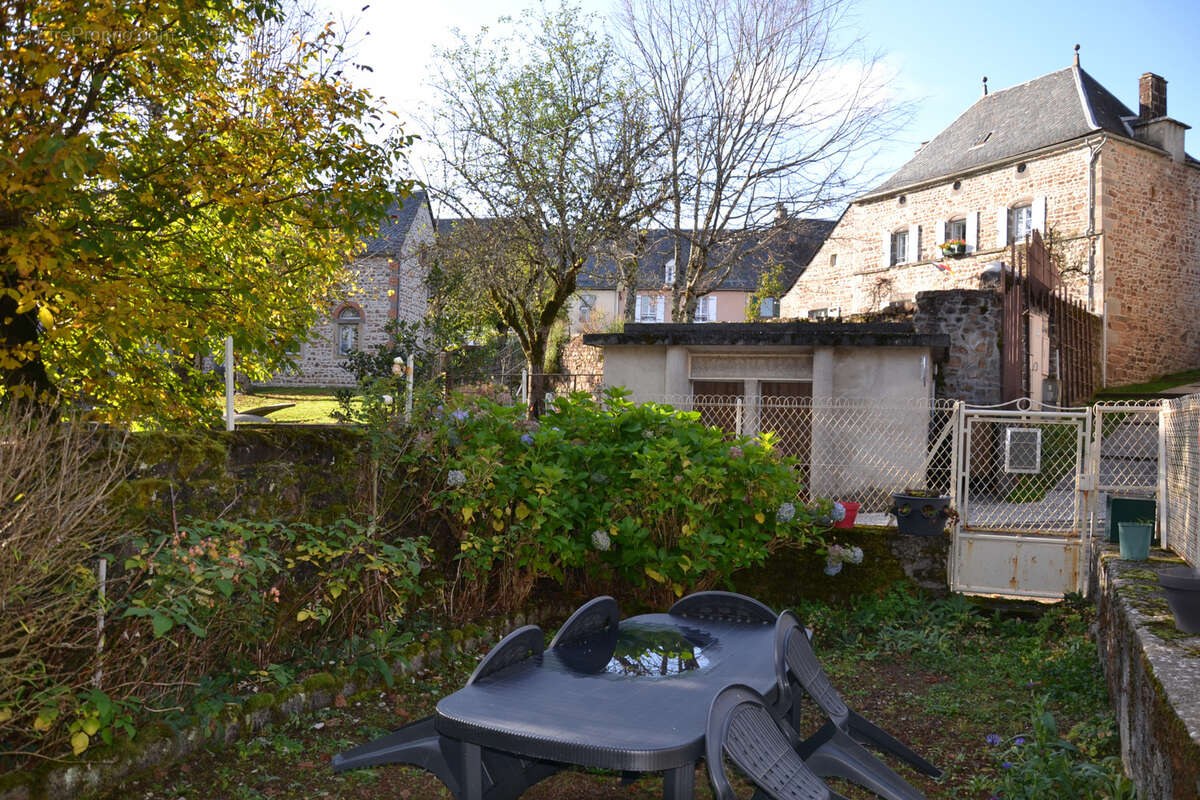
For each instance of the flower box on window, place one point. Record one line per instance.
(955, 248)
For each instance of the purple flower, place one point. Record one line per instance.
(735, 452)
(461, 414)
(1020, 740)
(526, 438)
(1007, 765)
(992, 739)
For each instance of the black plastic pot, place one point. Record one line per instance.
(1182, 588)
(920, 516)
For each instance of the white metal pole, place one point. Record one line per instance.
(408, 398)
(228, 383)
(102, 581)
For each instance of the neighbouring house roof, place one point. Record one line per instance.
(788, 334)
(793, 248)
(1054, 108)
(394, 227)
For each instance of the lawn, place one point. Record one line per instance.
(313, 405)
(1009, 704)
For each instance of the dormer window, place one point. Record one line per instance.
(669, 273)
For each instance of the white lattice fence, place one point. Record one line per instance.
(1181, 421)
(849, 449)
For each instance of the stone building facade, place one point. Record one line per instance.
(387, 282)
(1113, 191)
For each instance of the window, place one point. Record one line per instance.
(706, 309)
(956, 229)
(669, 273)
(768, 308)
(899, 247)
(1020, 222)
(833, 259)
(348, 321)
(824, 313)
(649, 308)
(587, 303)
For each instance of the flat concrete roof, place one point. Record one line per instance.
(773, 334)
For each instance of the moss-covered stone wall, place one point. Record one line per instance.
(1153, 674)
(310, 473)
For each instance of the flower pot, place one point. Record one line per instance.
(954, 250)
(1181, 585)
(851, 512)
(1135, 540)
(920, 516)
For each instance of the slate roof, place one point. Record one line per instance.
(785, 334)
(1057, 107)
(393, 228)
(794, 248)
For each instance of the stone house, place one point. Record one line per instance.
(600, 299)
(386, 282)
(1113, 191)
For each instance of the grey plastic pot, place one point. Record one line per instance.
(920, 516)
(1182, 588)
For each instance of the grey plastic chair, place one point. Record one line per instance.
(525, 642)
(741, 726)
(419, 744)
(597, 616)
(837, 748)
(723, 606)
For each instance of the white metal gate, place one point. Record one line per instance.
(1022, 492)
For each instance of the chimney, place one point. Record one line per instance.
(1152, 97)
(781, 213)
(1153, 126)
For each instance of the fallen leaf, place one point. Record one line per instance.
(339, 701)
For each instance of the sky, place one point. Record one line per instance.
(937, 51)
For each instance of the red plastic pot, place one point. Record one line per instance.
(851, 512)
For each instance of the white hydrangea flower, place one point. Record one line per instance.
(786, 513)
(601, 540)
(855, 555)
(387, 399)
(456, 477)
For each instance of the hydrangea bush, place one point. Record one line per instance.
(643, 491)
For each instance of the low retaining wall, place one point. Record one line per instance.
(1153, 675)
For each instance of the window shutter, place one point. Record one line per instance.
(939, 232)
(886, 250)
(641, 307)
(914, 244)
(1038, 215)
(1002, 227)
(712, 308)
(658, 309)
(972, 231)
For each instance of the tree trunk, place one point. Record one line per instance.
(21, 331)
(535, 363)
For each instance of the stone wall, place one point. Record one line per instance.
(972, 318)
(848, 271)
(584, 361)
(1151, 218)
(1152, 671)
(381, 288)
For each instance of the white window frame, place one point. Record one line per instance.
(768, 308)
(706, 309)
(649, 308)
(1020, 222)
(900, 248)
(348, 322)
(669, 273)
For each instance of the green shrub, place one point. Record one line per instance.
(644, 492)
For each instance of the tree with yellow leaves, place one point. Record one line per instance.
(169, 179)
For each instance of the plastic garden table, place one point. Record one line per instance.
(638, 704)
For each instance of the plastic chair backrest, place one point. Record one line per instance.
(741, 726)
(728, 606)
(794, 654)
(519, 645)
(599, 615)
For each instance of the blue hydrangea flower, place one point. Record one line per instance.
(601, 540)
(833, 567)
(786, 513)
(839, 512)
(456, 477)
(461, 414)
(526, 438)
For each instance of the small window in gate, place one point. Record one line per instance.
(1023, 450)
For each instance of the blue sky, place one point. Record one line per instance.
(939, 51)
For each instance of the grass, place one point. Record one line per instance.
(970, 689)
(1149, 388)
(313, 405)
